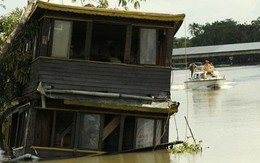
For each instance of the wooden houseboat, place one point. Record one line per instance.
(99, 83)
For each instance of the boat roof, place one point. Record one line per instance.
(217, 48)
(109, 12)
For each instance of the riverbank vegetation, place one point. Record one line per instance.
(191, 148)
(222, 32)
(7, 24)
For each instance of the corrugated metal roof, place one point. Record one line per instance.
(110, 12)
(217, 48)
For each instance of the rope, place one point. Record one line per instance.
(164, 130)
(176, 127)
(186, 64)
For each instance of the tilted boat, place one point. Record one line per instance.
(197, 81)
(77, 100)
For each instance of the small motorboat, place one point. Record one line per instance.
(198, 81)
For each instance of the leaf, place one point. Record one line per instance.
(136, 5)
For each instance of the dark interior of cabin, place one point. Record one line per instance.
(13, 129)
(108, 42)
(66, 129)
(130, 125)
(78, 39)
(111, 141)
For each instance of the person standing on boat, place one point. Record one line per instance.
(212, 66)
(208, 69)
(192, 68)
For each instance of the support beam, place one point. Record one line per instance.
(110, 127)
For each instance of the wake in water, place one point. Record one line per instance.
(178, 87)
(227, 85)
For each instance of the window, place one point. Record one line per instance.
(89, 131)
(148, 46)
(64, 129)
(145, 133)
(158, 132)
(22, 124)
(108, 42)
(78, 40)
(61, 38)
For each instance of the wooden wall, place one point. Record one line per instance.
(98, 76)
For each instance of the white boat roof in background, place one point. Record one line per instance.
(217, 48)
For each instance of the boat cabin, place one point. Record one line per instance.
(99, 82)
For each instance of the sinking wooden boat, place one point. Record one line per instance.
(78, 101)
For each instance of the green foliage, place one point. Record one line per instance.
(224, 32)
(186, 147)
(181, 42)
(14, 67)
(2, 4)
(124, 3)
(103, 4)
(8, 23)
(121, 3)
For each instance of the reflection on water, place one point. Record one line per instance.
(226, 120)
(206, 99)
(142, 157)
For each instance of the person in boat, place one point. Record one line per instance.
(212, 66)
(192, 68)
(208, 69)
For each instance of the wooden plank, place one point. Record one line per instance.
(128, 44)
(88, 40)
(76, 130)
(53, 128)
(100, 77)
(109, 128)
(169, 44)
(121, 134)
(30, 127)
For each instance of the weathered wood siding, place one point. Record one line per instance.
(101, 77)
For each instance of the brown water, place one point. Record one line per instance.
(226, 120)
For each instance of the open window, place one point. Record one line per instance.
(22, 124)
(78, 39)
(108, 42)
(111, 42)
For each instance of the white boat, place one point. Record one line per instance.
(197, 81)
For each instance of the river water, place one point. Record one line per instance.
(227, 121)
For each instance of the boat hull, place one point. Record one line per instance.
(204, 84)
